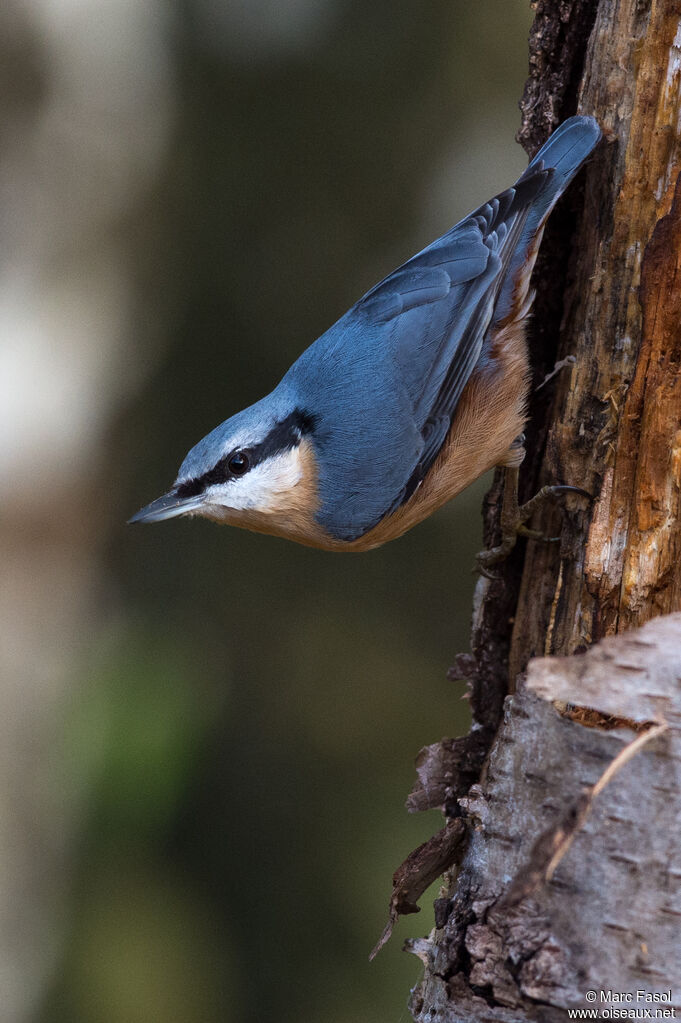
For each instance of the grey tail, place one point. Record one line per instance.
(558, 161)
(566, 150)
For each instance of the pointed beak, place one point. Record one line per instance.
(170, 506)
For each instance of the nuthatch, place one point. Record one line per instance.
(415, 392)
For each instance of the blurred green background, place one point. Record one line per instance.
(209, 735)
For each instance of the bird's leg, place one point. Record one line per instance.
(509, 521)
(514, 516)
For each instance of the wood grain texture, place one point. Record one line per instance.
(617, 413)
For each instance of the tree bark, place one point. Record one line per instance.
(565, 889)
(615, 422)
(562, 888)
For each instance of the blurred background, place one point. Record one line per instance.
(207, 736)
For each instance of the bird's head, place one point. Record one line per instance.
(257, 470)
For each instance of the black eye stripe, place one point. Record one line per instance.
(221, 472)
(283, 436)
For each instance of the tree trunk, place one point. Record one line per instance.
(562, 889)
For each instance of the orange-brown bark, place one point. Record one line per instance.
(616, 416)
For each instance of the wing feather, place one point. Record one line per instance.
(470, 263)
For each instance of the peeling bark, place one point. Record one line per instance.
(511, 942)
(515, 946)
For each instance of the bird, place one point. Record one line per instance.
(419, 389)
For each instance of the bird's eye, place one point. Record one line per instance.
(238, 464)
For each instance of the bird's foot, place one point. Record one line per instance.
(514, 516)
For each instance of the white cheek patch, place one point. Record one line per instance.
(265, 488)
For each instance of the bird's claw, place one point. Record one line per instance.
(482, 560)
(514, 517)
(536, 534)
(494, 555)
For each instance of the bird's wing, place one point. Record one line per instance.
(437, 308)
